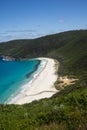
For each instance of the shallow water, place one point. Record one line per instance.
(13, 74)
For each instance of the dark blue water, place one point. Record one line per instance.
(13, 74)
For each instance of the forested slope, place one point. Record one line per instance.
(66, 110)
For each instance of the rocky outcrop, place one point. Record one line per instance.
(9, 58)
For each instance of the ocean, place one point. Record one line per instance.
(14, 74)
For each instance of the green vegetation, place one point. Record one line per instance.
(66, 110)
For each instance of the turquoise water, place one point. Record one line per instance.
(13, 74)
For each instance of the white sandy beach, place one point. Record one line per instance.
(42, 86)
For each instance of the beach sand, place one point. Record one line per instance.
(42, 86)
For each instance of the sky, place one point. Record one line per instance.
(27, 19)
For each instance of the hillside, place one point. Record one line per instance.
(67, 110)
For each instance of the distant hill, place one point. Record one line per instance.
(66, 110)
(42, 46)
(69, 47)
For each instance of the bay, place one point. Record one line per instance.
(13, 74)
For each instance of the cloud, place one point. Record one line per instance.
(21, 31)
(38, 25)
(60, 21)
(3, 33)
(19, 34)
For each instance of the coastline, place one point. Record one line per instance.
(41, 87)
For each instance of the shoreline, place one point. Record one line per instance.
(41, 87)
